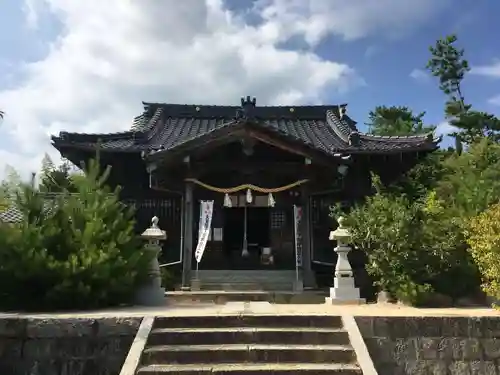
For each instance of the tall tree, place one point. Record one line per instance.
(55, 179)
(9, 187)
(449, 65)
(400, 120)
(396, 120)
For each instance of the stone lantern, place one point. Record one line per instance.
(344, 290)
(152, 294)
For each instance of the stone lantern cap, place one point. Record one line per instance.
(342, 233)
(154, 233)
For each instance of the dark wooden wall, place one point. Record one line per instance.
(326, 187)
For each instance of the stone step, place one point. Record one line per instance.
(225, 296)
(244, 280)
(255, 353)
(246, 273)
(245, 277)
(247, 286)
(248, 335)
(253, 369)
(235, 321)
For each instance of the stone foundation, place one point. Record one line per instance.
(397, 345)
(433, 345)
(65, 346)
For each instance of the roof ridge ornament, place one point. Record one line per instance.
(432, 136)
(247, 110)
(342, 111)
(354, 139)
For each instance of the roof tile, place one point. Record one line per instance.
(166, 126)
(11, 215)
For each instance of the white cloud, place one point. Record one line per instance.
(419, 75)
(114, 54)
(349, 19)
(445, 128)
(31, 9)
(492, 70)
(494, 100)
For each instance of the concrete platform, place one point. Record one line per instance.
(244, 308)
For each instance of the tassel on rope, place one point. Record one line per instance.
(270, 200)
(227, 201)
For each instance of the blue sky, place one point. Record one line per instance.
(86, 66)
(388, 69)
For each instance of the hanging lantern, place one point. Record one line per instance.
(270, 200)
(227, 201)
(249, 196)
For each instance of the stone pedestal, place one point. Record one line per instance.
(344, 290)
(152, 293)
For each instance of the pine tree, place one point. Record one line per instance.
(76, 251)
(9, 187)
(397, 120)
(449, 65)
(55, 179)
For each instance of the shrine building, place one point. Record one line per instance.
(272, 172)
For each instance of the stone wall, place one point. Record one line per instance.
(433, 345)
(65, 346)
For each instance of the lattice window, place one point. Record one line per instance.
(278, 219)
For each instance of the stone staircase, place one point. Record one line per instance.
(248, 280)
(248, 345)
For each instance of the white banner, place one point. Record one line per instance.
(297, 218)
(206, 211)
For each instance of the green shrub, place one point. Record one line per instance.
(418, 181)
(385, 228)
(472, 180)
(414, 248)
(483, 237)
(443, 236)
(77, 251)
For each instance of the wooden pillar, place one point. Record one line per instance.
(188, 236)
(308, 274)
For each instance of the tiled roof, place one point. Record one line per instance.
(11, 215)
(14, 215)
(166, 126)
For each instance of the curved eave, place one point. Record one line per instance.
(362, 143)
(422, 142)
(95, 137)
(427, 137)
(63, 146)
(392, 151)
